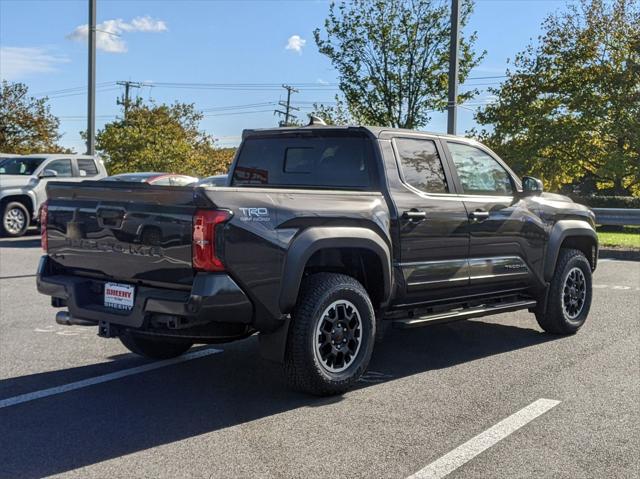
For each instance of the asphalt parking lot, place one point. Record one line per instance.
(226, 413)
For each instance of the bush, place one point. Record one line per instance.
(608, 201)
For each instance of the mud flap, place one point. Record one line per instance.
(273, 345)
(541, 307)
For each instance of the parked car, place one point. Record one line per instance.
(325, 237)
(23, 180)
(215, 180)
(165, 179)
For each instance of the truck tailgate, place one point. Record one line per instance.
(133, 232)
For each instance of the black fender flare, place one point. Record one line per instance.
(562, 230)
(316, 238)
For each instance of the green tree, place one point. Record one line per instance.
(161, 138)
(569, 110)
(392, 58)
(26, 123)
(337, 114)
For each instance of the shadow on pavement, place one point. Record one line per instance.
(87, 426)
(30, 240)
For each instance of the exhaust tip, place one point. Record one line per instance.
(65, 319)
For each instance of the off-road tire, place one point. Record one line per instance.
(555, 319)
(18, 207)
(154, 348)
(303, 368)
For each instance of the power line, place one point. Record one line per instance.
(98, 90)
(237, 113)
(71, 89)
(215, 111)
(239, 87)
(311, 86)
(237, 107)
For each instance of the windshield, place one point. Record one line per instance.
(19, 166)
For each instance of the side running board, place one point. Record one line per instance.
(474, 312)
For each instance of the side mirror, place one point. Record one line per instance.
(48, 174)
(531, 186)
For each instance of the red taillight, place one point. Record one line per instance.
(204, 239)
(44, 215)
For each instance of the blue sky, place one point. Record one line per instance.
(209, 41)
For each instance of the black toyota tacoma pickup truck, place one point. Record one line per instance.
(322, 237)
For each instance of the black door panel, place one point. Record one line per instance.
(497, 269)
(432, 223)
(452, 272)
(506, 237)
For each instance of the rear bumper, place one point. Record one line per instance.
(214, 299)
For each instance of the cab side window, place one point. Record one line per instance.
(421, 165)
(479, 173)
(62, 167)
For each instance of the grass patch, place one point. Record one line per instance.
(628, 238)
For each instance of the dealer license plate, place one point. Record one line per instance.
(119, 296)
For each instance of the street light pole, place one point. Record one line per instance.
(91, 96)
(453, 67)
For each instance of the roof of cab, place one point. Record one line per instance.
(58, 155)
(376, 131)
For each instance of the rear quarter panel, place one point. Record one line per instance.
(266, 221)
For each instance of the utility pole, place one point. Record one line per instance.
(453, 67)
(91, 87)
(287, 113)
(126, 101)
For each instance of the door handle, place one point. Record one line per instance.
(478, 215)
(414, 215)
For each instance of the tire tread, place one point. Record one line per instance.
(299, 367)
(552, 320)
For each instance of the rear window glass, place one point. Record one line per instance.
(299, 160)
(88, 166)
(331, 161)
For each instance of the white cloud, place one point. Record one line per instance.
(109, 33)
(146, 24)
(295, 43)
(20, 62)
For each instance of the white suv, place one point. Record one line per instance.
(23, 181)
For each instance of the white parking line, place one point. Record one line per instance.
(22, 398)
(617, 287)
(613, 260)
(483, 441)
